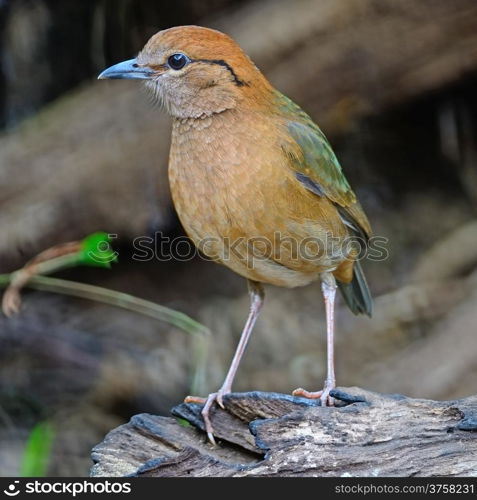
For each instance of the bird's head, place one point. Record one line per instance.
(194, 72)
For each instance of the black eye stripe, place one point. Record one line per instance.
(221, 62)
(178, 61)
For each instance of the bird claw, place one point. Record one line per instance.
(219, 399)
(215, 397)
(323, 395)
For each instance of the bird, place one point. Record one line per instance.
(254, 181)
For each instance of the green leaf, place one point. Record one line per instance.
(36, 455)
(182, 422)
(96, 251)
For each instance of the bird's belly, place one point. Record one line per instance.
(264, 232)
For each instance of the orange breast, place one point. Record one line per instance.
(241, 204)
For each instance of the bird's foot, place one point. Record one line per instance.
(215, 397)
(323, 396)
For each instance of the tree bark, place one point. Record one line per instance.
(269, 434)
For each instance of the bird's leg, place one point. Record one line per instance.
(328, 287)
(256, 301)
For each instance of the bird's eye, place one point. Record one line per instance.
(177, 61)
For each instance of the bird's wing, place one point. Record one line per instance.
(317, 168)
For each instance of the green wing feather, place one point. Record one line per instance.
(319, 162)
(317, 167)
(310, 154)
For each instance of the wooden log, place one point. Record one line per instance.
(269, 434)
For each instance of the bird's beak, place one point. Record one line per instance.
(127, 69)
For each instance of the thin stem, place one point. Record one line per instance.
(57, 264)
(200, 333)
(114, 298)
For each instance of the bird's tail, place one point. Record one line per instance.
(356, 293)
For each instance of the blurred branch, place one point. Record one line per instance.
(452, 255)
(349, 59)
(437, 363)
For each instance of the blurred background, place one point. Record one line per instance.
(391, 83)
